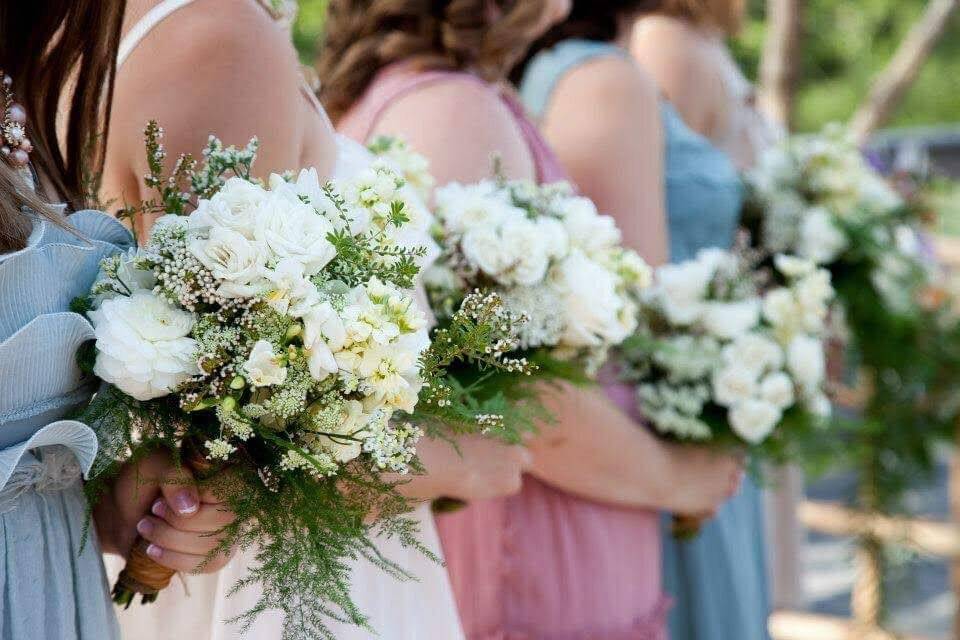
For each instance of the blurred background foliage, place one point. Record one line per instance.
(846, 43)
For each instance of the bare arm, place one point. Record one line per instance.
(675, 54)
(198, 74)
(604, 123)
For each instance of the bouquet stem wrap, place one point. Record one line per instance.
(142, 574)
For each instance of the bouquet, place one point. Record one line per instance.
(817, 197)
(718, 360)
(272, 333)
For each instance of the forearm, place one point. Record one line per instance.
(595, 451)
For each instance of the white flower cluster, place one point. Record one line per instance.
(810, 187)
(414, 167)
(549, 254)
(718, 343)
(243, 306)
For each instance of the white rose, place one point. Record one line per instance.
(820, 238)
(591, 307)
(323, 334)
(734, 384)
(462, 207)
(292, 229)
(591, 232)
(727, 320)
(681, 288)
(753, 420)
(232, 258)
(143, 346)
(754, 351)
(806, 362)
(513, 252)
(263, 367)
(777, 389)
(234, 207)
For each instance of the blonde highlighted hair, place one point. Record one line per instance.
(725, 15)
(486, 37)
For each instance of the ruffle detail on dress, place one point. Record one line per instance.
(651, 627)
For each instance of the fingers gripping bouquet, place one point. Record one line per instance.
(271, 332)
(717, 361)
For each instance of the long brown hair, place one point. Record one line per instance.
(725, 15)
(59, 52)
(486, 37)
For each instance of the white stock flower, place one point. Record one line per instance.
(263, 367)
(780, 307)
(806, 362)
(143, 345)
(461, 207)
(754, 351)
(591, 306)
(232, 258)
(777, 389)
(733, 384)
(727, 320)
(792, 266)
(589, 231)
(820, 238)
(819, 405)
(323, 334)
(681, 289)
(512, 252)
(754, 420)
(290, 291)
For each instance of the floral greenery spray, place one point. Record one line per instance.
(270, 331)
(722, 357)
(550, 259)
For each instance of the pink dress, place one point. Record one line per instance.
(544, 564)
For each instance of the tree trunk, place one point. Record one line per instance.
(780, 64)
(892, 83)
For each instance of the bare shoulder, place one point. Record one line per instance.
(608, 84)
(460, 124)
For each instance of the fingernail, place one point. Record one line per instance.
(158, 508)
(154, 551)
(185, 503)
(145, 527)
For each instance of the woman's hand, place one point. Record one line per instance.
(700, 479)
(482, 469)
(163, 504)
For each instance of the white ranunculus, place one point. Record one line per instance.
(754, 420)
(143, 345)
(820, 239)
(232, 258)
(591, 232)
(681, 289)
(234, 207)
(591, 306)
(777, 389)
(733, 384)
(323, 334)
(263, 367)
(727, 320)
(292, 229)
(754, 351)
(806, 362)
(513, 252)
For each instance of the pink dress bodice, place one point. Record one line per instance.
(544, 564)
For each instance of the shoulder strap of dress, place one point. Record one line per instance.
(145, 25)
(546, 69)
(391, 85)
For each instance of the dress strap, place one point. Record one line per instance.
(145, 25)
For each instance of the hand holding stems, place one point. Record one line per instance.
(473, 467)
(161, 502)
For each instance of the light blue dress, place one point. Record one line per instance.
(718, 581)
(49, 590)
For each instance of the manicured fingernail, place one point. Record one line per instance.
(185, 503)
(158, 508)
(145, 527)
(154, 551)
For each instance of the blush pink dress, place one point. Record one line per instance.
(544, 564)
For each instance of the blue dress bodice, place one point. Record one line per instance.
(717, 580)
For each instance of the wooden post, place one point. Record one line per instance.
(892, 83)
(780, 61)
(955, 516)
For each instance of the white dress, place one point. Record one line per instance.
(196, 607)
